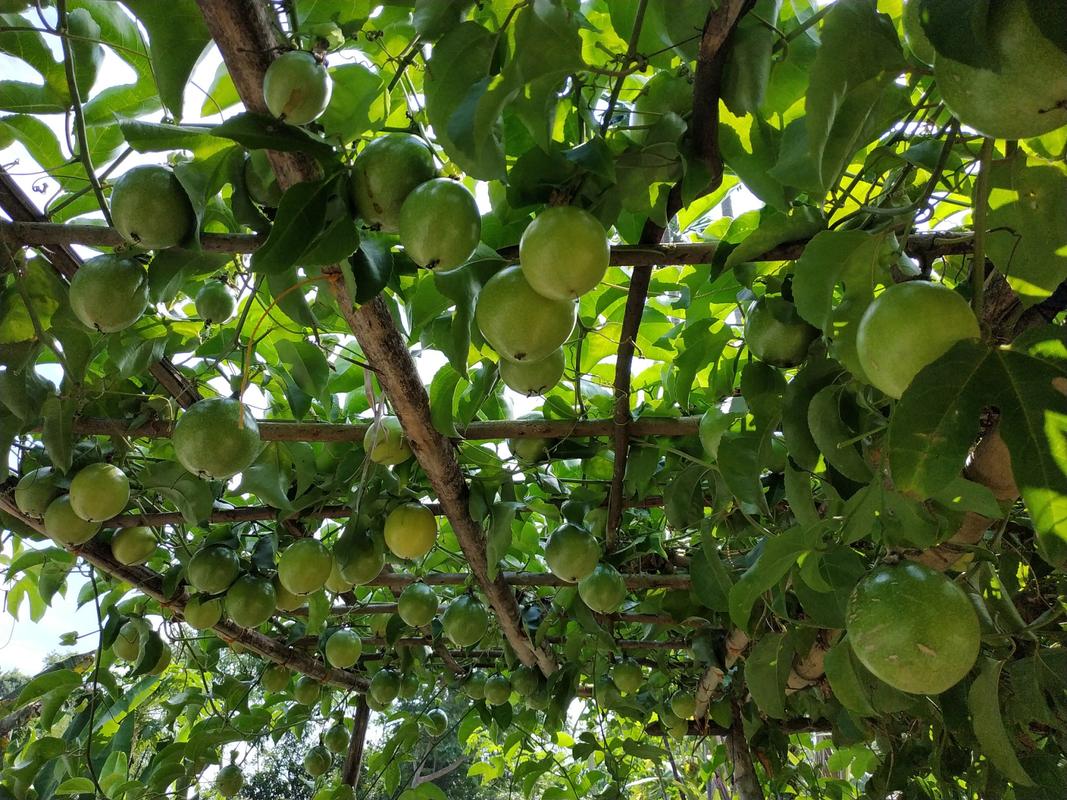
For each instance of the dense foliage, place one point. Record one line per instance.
(835, 569)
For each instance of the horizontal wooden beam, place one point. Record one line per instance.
(628, 645)
(398, 580)
(370, 609)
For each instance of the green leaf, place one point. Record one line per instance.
(57, 433)
(833, 436)
(318, 611)
(767, 669)
(443, 390)
(845, 681)
(808, 381)
(683, 497)
(358, 103)
(369, 268)
(293, 304)
(777, 556)
(153, 137)
(190, 495)
(306, 364)
(983, 700)
(65, 680)
(739, 464)
(711, 582)
(498, 540)
(269, 478)
(75, 786)
(776, 228)
(29, 98)
(259, 132)
(299, 219)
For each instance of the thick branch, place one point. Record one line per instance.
(746, 782)
(354, 757)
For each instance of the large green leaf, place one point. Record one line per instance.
(767, 670)
(300, 217)
(983, 699)
(777, 556)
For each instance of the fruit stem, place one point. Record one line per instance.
(981, 210)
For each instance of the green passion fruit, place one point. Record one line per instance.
(35, 490)
(776, 333)
(564, 253)
(439, 224)
(307, 690)
(384, 173)
(1025, 95)
(533, 378)
(275, 678)
(305, 566)
(907, 327)
(417, 604)
(64, 526)
(386, 443)
(497, 689)
(287, 601)
(572, 552)
(127, 644)
(410, 530)
(525, 680)
(297, 87)
(251, 601)
(216, 438)
(336, 582)
(99, 491)
(603, 590)
(465, 621)
(409, 686)
(151, 209)
(343, 648)
(385, 685)
(317, 761)
(336, 739)
(214, 303)
(203, 614)
(133, 545)
(362, 558)
(683, 704)
(517, 322)
(229, 780)
(474, 685)
(109, 293)
(436, 721)
(913, 628)
(627, 676)
(212, 569)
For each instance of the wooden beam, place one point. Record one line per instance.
(354, 757)
(398, 580)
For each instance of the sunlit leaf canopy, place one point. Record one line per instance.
(737, 434)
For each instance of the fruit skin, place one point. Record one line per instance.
(409, 686)
(297, 88)
(683, 704)
(214, 303)
(564, 253)
(603, 590)
(127, 644)
(384, 173)
(203, 614)
(627, 676)
(35, 490)
(436, 722)
(251, 601)
(417, 604)
(151, 209)
(913, 628)
(336, 582)
(440, 224)
(109, 293)
(497, 689)
(572, 553)
(64, 526)
(363, 560)
(260, 180)
(386, 443)
(229, 780)
(517, 322)
(275, 678)
(525, 680)
(287, 601)
(385, 685)
(304, 566)
(410, 530)
(212, 569)
(336, 739)
(776, 333)
(317, 761)
(133, 545)
(307, 690)
(474, 686)
(99, 491)
(528, 451)
(533, 378)
(165, 657)
(465, 621)
(208, 441)
(343, 649)
(907, 327)
(1025, 96)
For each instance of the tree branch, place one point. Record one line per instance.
(354, 757)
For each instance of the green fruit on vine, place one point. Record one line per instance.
(150, 208)
(374, 705)
(304, 566)
(465, 621)
(386, 443)
(216, 438)
(914, 36)
(275, 678)
(528, 451)
(776, 333)
(135, 545)
(540, 699)
(409, 686)
(260, 180)
(436, 722)
(627, 676)
(572, 553)
(343, 648)
(165, 654)
(363, 560)
(229, 780)
(286, 600)
(214, 303)
(385, 685)
(410, 530)
(1024, 94)
(109, 293)
(384, 173)
(607, 693)
(212, 569)
(517, 322)
(297, 88)
(440, 224)
(64, 526)
(913, 628)
(663, 93)
(307, 690)
(474, 685)
(683, 704)
(417, 604)
(99, 491)
(497, 689)
(251, 601)
(35, 490)
(336, 739)
(603, 590)
(203, 614)
(317, 761)
(525, 680)
(564, 253)
(127, 644)
(907, 327)
(533, 378)
(336, 582)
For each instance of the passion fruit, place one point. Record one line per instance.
(627, 676)
(410, 530)
(251, 601)
(417, 604)
(385, 685)
(683, 704)
(99, 491)
(776, 333)
(229, 780)
(109, 293)
(127, 644)
(297, 87)
(474, 685)
(317, 761)
(216, 438)
(603, 590)
(572, 553)
(386, 443)
(436, 722)
(439, 224)
(525, 680)
(517, 322)
(533, 378)
(275, 678)
(465, 621)
(564, 253)
(135, 545)
(497, 689)
(336, 739)
(35, 490)
(151, 209)
(343, 648)
(384, 173)
(907, 327)
(913, 628)
(287, 601)
(307, 690)
(212, 569)
(305, 566)
(364, 560)
(214, 303)
(203, 614)
(64, 526)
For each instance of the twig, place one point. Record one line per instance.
(631, 53)
(981, 211)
